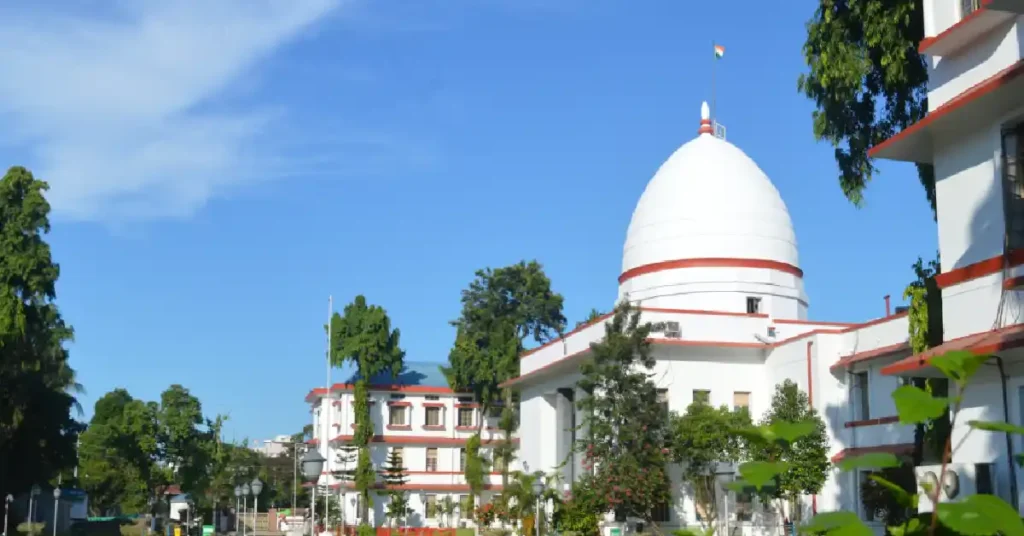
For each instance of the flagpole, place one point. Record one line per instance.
(714, 67)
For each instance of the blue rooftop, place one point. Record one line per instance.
(413, 373)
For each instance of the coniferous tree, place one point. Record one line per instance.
(626, 443)
(394, 479)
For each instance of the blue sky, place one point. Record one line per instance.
(217, 172)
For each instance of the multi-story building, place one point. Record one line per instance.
(272, 448)
(973, 134)
(420, 417)
(711, 258)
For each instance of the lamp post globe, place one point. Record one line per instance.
(256, 486)
(245, 490)
(238, 491)
(538, 484)
(35, 489)
(312, 465)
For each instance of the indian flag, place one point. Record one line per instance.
(719, 51)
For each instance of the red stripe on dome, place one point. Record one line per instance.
(710, 263)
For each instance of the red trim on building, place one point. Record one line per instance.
(404, 427)
(976, 92)
(473, 405)
(986, 342)
(992, 265)
(1013, 283)
(420, 440)
(868, 355)
(433, 427)
(928, 42)
(899, 448)
(399, 404)
(816, 323)
(433, 405)
(872, 422)
(710, 263)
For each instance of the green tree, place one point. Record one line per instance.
(118, 454)
(393, 476)
(703, 437)
(37, 400)
(501, 309)
(806, 459)
(627, 435)
(593, 315)
(364, 338)
(867, 80)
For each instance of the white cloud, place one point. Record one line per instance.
(114, 108)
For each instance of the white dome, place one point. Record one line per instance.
(709, 206)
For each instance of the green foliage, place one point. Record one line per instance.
(366, 530)
(592, 316)
(119, 452)
(394, 478)
(37, 400)
(925, 312)
(501, 308)
(364, 338)
(475, 472)
(890, 493)
(628, 437)
(581, 511)
(867, 80)
(701, 438)
(791, 440)
(974, 515)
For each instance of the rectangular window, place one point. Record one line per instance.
(465, 416)
(433, 398)
(741, 399)
(969, 6)
(661, 513)
(744, 505)
(865, 513)
(702, 396)
(663, 400)
(433, 417)
(432, 459)
(753, 305)
(983, 479)
(396, 415)
(1013, 185)
(462, 460)
(431, 506)
(859, 394)
(497, 463)
(397, 396)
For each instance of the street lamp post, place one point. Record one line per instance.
(245, 501)
(56, 508)
(7, 509)
(31, 502)
(312, 466)
(538, 490)
(256, 486)
(238, 504)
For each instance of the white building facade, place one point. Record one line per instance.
(973, 136)
(712, 253)
(418, 415)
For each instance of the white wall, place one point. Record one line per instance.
(983, 58)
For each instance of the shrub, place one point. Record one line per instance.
(366, 530)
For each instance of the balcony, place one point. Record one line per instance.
(981, 17)
(981, 106)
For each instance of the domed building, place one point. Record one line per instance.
(711, 258)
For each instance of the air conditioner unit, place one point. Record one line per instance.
(961, 480)
(672, 330)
